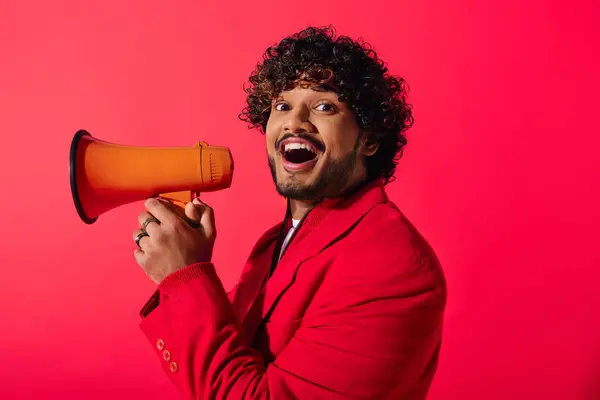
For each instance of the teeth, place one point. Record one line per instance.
(295, 146)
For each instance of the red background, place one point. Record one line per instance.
(500, 175)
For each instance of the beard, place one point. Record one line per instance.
(334, 177)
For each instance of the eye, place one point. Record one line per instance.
(327, 107)
(281, 106)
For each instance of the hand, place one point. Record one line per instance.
(172, 243)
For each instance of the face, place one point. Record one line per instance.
(314, 144)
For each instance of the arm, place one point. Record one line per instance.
(350, 345)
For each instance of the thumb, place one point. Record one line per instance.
(206, 217)
(192, 212)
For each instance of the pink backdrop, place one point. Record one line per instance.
(499, 175)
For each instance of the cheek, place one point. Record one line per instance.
(270, 138)
(339, 137)
(340, 145)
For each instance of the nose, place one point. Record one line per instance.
(297, 120)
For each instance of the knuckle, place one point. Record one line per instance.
(149, 253)
(178, 224)
(150, 202)
(159, 237)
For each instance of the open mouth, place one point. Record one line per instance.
(298, 151)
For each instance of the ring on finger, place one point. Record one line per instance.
(139, 237)
(148, 220)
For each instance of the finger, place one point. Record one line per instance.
(193, 214)
(199, 203)
(190, 211)
(139, 256)
(151, 227)
(207, 217)
(143, 241)
(161, 211)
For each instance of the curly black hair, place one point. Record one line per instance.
(361, 79)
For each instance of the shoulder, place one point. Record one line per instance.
(385, 229)
(385, 248)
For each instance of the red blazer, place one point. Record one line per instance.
(354, 309)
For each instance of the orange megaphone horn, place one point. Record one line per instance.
(106, 175)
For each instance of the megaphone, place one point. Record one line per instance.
(106, 175)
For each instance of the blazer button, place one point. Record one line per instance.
(160, 344)
(174, 367)
(167, 355)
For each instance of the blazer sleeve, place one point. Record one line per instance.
(355, 343)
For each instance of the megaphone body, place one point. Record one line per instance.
(106, 175)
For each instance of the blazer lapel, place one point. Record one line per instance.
(254, 273)
(335, 216)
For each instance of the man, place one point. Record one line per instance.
(343, 299)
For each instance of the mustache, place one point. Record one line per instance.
(318, 145)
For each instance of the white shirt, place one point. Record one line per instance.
(288, 237)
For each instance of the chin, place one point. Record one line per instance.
(298, 192)
(323, 177)
(297, 185)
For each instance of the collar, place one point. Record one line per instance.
(367, 195)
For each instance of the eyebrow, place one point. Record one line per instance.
(325, 88)
(319, 88)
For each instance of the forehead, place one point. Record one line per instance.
(309, 91)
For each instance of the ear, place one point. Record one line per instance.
(370, 144)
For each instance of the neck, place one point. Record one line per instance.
(299, 208)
